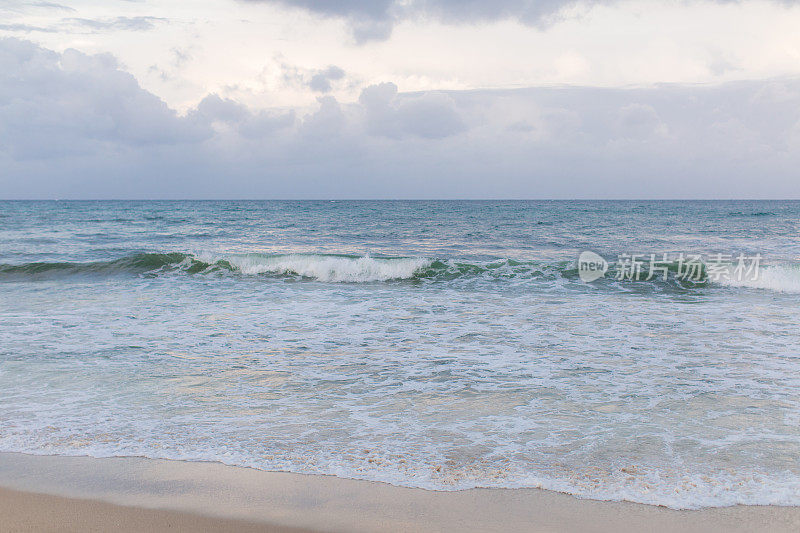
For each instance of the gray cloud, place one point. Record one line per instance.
(318, 80)
(640, 121)
(374, 19)
(60, 104)
(25, 6)
(375, 9)
(327, 122)
(84, 25)
(429, 115)
(266, 123)
(74, 125)
(27, 28)
(369, 19)
(533, 12)
(529, 11)
(214, 108)
(251, 125)
(50, 6)
(321, 80)
(115, 24)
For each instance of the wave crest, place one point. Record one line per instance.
(330, 268)
(337, 268)
(777, 278)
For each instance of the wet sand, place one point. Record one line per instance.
(45, 493)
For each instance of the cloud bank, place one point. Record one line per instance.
(78, 126)
(374, 19)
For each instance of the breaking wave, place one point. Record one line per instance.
(331, 268)
(337, 268)
(777, 278)
(322, 267)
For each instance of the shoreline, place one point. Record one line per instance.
(46, 493)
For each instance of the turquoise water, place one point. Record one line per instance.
(443, 345)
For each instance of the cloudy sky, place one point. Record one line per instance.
(400, 99)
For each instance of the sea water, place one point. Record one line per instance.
(442, 344)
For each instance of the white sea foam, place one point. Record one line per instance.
(430, 388)
(778, 278)
(330, 268)
(660, 486)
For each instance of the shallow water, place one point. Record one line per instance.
(443, 345)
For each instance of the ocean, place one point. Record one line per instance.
(436, 344)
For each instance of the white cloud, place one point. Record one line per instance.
(241, 50)
(77, 125)
(60, 104)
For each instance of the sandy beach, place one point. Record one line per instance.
(46, 493)
(24, 511)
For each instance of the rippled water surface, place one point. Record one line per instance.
(442, 345)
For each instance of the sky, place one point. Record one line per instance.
(399, 99)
